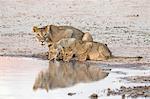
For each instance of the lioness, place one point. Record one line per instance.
(87, 50)
(52, 33)
(67, 48)
(84, 50)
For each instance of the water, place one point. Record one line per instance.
(17, 77)
(66, 74)
(29, 78)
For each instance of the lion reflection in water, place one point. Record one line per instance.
(65, 74)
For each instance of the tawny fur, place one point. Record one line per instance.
(52, 33)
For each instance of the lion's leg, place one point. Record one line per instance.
(59, 52)
(50, 55)
(53, 52)
(96, 56)
(82, 57)
(101, 57)
(104, 52)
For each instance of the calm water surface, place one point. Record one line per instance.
(28, 78)
(17, 77)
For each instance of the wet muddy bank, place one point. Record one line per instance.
(43, 56)
(133, 92)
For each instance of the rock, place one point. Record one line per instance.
(94, 96)
(70, 94)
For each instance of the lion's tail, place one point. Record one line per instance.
(124, 57)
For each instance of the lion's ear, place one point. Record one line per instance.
(62, 50)
(35, 28)
(47, 28)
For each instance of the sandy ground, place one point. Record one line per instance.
(122, 24)
(112, 22)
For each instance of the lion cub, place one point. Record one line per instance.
(55, 49)
(53, 33)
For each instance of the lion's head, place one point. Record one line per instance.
(53, 52)
(41, 33)
(67, 54)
